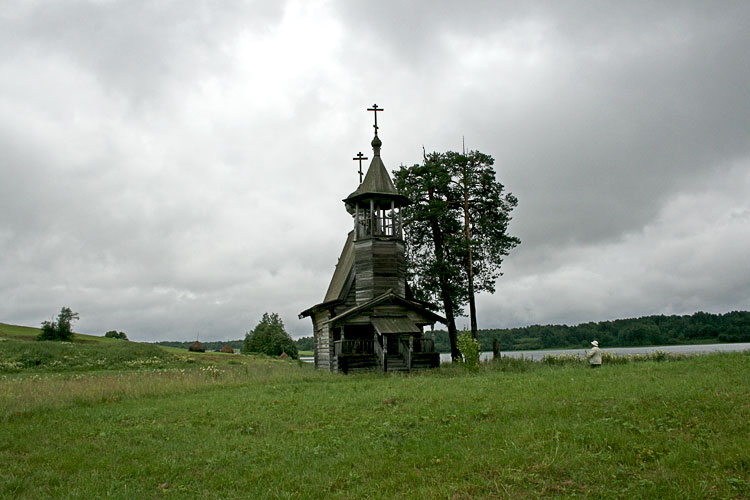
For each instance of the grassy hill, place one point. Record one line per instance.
(30, 333)
(21, 353)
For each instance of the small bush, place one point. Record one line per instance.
(469, 348)
(114, 334)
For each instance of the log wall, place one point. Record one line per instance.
(323, 342)
(379, 265)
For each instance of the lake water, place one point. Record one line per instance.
(618, 351)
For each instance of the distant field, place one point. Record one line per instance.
(234, 426)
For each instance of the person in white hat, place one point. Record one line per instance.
(595, 355)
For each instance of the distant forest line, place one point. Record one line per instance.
(697, 328)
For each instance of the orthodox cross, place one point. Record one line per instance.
(359, 158)
(375, 110)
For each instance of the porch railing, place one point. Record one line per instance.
(424, 345)
(357, 346)
(406, 347)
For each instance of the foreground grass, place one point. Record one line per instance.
(274, 429)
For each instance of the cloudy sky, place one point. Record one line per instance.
(174, 169)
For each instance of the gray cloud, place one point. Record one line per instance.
(137, 48)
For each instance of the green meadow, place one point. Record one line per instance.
(103, 418)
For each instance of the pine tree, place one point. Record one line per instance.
(456, 230)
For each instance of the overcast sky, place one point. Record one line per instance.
(175, 169)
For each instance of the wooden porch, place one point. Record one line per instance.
(385, 354)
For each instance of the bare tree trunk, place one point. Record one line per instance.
(469, 258)
(445, 293)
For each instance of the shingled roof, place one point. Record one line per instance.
(377, 182)
(342, 276)
(342, 272)
(388, 296)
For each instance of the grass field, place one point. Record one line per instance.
(232, 426)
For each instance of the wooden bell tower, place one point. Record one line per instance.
(366, 321)
(379, 252)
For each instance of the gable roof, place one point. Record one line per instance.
(390, 295)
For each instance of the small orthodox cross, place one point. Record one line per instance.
(375, 110)
(359, 158)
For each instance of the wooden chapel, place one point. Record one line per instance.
(368, 320)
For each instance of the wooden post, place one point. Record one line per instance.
(411, 349)
(393, 218)
(356, 221)
(372, 217)
(385, 354)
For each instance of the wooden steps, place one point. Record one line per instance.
(396, 363)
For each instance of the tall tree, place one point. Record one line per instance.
(456, 230)
(430, 227)
(485, 211)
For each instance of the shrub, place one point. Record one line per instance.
(469, 348)
(60, 329)
(114, 334)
